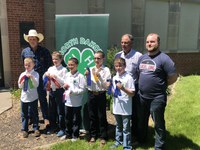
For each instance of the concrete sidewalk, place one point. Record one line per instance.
(5, 100)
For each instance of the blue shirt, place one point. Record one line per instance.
(131, 61)
(41, 56)
(153, 73)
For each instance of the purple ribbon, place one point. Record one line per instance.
(89, 81)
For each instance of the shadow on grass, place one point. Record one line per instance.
(173, 142)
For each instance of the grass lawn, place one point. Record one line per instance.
(182, 121)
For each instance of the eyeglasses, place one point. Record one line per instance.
(97, 58)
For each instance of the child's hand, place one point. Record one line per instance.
(28, 75)
(53, 76)
(66, 86)
(119, 85)
(47, 74)
(108, 83)
(86, 72)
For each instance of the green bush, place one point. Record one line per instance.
(16, 93)
(110, 59)
(109, 63)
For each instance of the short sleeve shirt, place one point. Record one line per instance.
(153, 74)
(122, 105)
(131, 61)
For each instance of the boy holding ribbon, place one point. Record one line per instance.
(123, 90)
(98, 76)
(75, 85)
(54, 81)
(29, 81)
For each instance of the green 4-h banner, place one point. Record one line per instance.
(80, 36)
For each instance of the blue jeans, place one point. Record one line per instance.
(42, 99)
(155, 107)
(33, 107)
(123, 131)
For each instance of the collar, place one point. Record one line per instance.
(74, 75)
(130, 52)
(59, 67)
(30, 71)
(99, 67)
(120, 76)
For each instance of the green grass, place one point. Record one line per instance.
(182, 121)
(16, 93)
(183, 115)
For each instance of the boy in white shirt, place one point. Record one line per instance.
(55, 75)
(124, 89)
(29, 81)
(97, 98)
(75, 85)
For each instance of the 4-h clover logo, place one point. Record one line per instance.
(85, 58)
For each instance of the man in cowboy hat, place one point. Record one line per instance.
(43, 61)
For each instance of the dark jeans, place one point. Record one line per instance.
(155, 107)
(57, 109)
(42, 99)
(97, 114)
(134, 128)
(33, 108)
(73, 121)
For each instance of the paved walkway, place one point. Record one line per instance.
(5, 100)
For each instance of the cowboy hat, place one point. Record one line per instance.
(33, 32)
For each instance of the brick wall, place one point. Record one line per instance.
(17, 11)
(33, 10)
(186, 63)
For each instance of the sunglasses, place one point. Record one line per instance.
(97, 58)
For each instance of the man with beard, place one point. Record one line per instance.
(156, 72)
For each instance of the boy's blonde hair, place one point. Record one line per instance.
(120, 61)
(57, 54)
(29, 60)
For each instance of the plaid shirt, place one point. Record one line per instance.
(41, 56)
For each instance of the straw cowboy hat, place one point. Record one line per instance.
(33, 32)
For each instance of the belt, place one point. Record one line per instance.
(97, 92)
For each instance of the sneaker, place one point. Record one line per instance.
(60, 133)
(92, 140)
(64, 137)
(74, 139)
(102, 142)
(37, 133)
(25, 134)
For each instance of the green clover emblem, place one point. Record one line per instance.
(85, 58)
